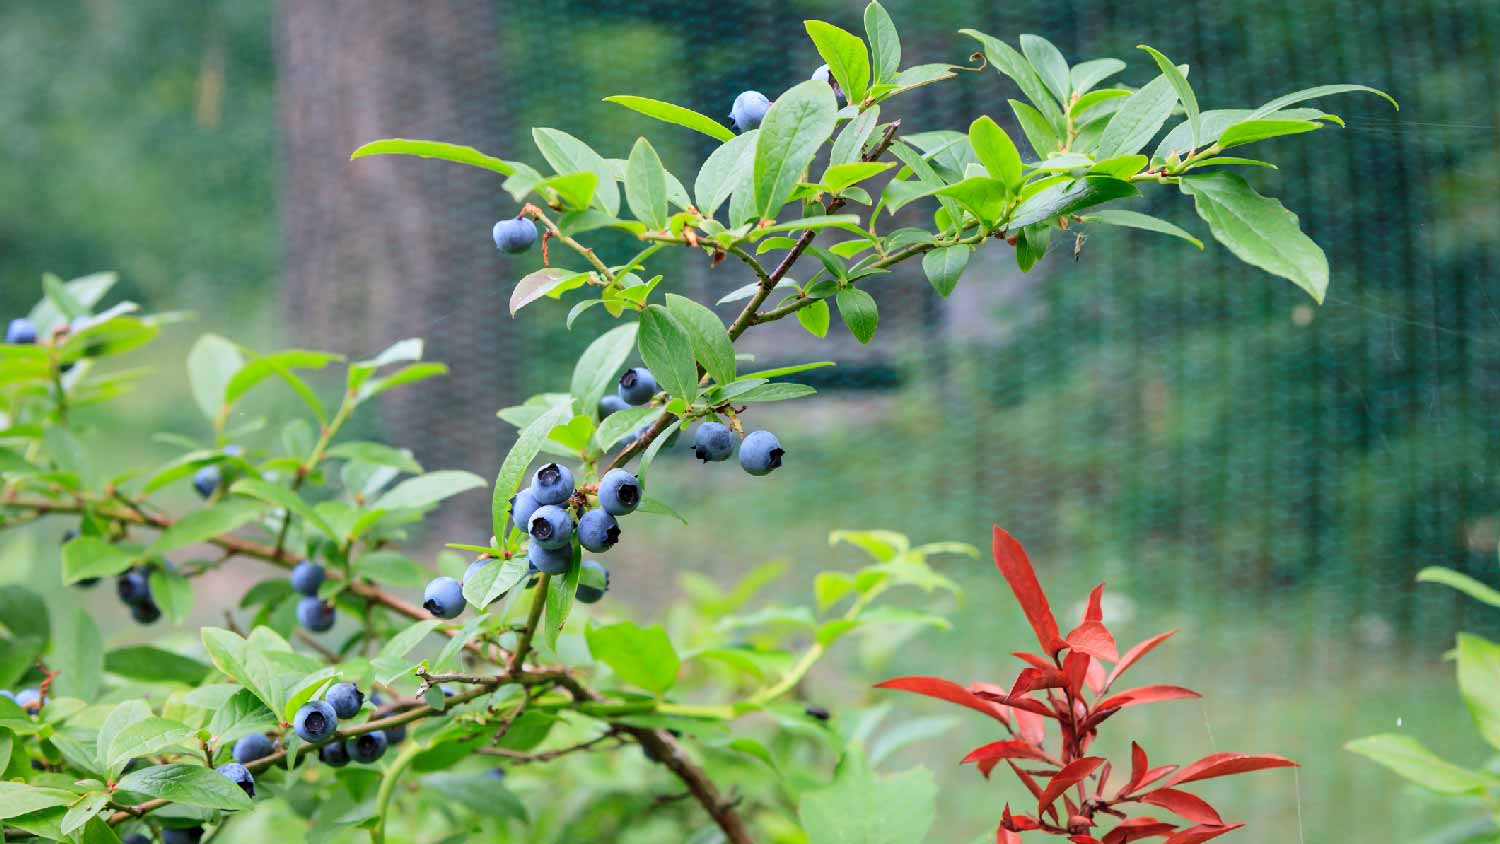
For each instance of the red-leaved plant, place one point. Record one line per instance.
(1071, 686)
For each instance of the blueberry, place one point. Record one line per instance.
(135, 838)
(333, 754)
(206, 480)
(593, 582)
(345, 698)
(619, 492)
(611, 404)
(550, 561)
(749, 110)
(133, 586)
(552, 484)
(366, 747)
(444, 597)
(396, 734)
(315, 721)
(250, 748)
(713, 441)
(514, 236)
(637, 386)
(315, 614)
(823, 74)
(760, 453)
(522, 505)
(496, 773)
(476, 566)
(146, 612)
(29, 699)
(20, 331)
(550, 527)
(182, 835)
(818, 712)
(598, 531)
(240, 776)
(307, 576)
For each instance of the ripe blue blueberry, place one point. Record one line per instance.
(611, 404)
(29, 699)
(522, 505)
(366, 747)
(552, 484)
(475, 566)
(133, 586)
(550, 560)
(182, 835)
(823, 74)
(333, 754)
(345, 698)
(315, 614)
(619, 492)
(240, 776)
(444, 597)
(760, 453)
(749, 110)
(593, 582)
(20, 331)
(250, 748)
(550, 527)
(514, 236)
(206, 480)
(713, 441)
(637, 386)
(598, 531)
(307, 576)
(315, 721)
(145, 612)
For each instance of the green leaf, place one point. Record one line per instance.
(1462, 582)
(857, 310)
(669, 113)
(1085, 75)
(779, 391)
(1134, 220)
(1120, 167)
(567, 154)
(1050, 65)
(18, 798)
(479, 792)
(391, 568)
(154, 665)
(646, 185)
(1039, 133)
(263, 367)
(528, 444)
(306, 689)
(250, 667)
(1479, 681)
(146, 737)
(789, 137)
(1070, 198)
(570, 190)
(815, 318)
(708, 336)
(1184, 91)
(599, 364)
(859, 808)
(211, 363)
(537, 284)
(885, 43)
(493, 580)
(205, 524)
(427, 490)
(1250, 131)
(981, 196)
(434, 149)
(1305, 94)
(89, 556)
(641, 657)
(239, 716)
(848, 222)
(840, 176)
(1215, 122)
(561, 591)
(726, 170)
(85, 291)
(284, 498)
(82, 812)
(849, 146)
(192, 785)
(77, 656)
(1007, 61)
(1259, 230)
(1409, 759)
(623, 423)
(944, 266)
(996, 151)
(668, 352)
(846, 56)
(1139, 118)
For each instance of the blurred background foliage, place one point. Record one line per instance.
(1265, 474)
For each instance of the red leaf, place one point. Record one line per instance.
(1034, 661)
(1094, 639)
(1008, 749)
(1153, 775)
(1031, 726)
(1144, 694)
(1075, 668)
(1095, 610)
(944, 690)
(1031, 679)
(1016, 703)
(1097, 676)
(1083, 839)
(1026, 779)
(1138, 766)
(1190, 806)
(1227, 764)
(1011, 559)
(1137, 828)
(1136, 653)
(1201, 833)
(1005, 836)
(1071, 774)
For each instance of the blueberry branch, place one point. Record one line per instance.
(536, 213)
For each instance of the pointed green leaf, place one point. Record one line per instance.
(1069, 198)
(669, 113)
(857, 310)
(1295, 97)
(885, 43)
(710, 339)
(1050, 65)
(434, 149)
(1251, 131)
(1134, 220)
(1259, 230)
(567, 154)
(641, 657)
(1139, 118)
(726, 170)
(788, 139)
(944, 266)
(668, 352)
(1184, 91)
(646, 185)
(847, 58)
(192, 785)
(1039, 133)
(996, 151)
(814, 318)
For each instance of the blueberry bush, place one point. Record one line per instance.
(335, 702)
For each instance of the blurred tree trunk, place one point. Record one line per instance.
(387, 248)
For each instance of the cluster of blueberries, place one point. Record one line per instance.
(760, 453)
(134, 588)
(313, 612)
